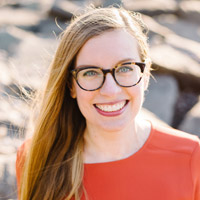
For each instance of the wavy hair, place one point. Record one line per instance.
(54, 165)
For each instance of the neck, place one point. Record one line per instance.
(104, 146)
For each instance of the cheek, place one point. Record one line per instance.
(84, 100)
(137, 94)
(138, 90)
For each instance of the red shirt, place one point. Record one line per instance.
(167, 167)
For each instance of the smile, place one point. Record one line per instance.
(111, 107)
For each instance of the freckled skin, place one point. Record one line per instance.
(106, 51)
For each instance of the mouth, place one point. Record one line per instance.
(111, 107)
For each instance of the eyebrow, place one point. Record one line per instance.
(119, 62)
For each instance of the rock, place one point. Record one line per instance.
(172, 59)
(8, 188)
(5, 77)
(31, 60)
(178, 26)
(13, 116)
(10, 16)
(50, 28)
(19, 92)
(94, 3)
(147, 115)
(26, 68)
(8, 41)
(161, 96)
(156, 7)
(184, 45)
(155, 27)
(107, 3)
(186, 100)
(3, 132)
(8, 148)
(104, 3)
(169, 60)
(64, 10)
(191, 123)
(190, 10)
(27, 16)
(188, 46)
(31, 4)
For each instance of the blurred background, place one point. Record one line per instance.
(29, 31)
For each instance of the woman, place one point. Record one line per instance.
(88, 142)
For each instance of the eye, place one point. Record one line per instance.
(124, 69)
(90, 73)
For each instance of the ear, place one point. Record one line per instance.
(147, 73)
(146, 80)
(72, 92)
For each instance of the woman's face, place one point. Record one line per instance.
(112, 107)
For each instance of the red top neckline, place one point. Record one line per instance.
(128, 157)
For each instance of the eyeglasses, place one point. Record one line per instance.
(126, 74)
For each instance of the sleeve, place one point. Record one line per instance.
(195, 170)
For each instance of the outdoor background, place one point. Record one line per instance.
(29, 31)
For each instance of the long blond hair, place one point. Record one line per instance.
(53, 166)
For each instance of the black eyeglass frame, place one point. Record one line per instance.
(105, 71)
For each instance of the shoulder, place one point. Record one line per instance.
(174, 140)
(180, 145)
(20, 158)
(22, 150)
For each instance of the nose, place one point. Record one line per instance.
(110, 87)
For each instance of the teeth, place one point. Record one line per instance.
(111, 108)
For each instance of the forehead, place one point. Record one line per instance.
(108, 49)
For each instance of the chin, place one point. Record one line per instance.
(115, 126)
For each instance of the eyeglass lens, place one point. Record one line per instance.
(125, 75)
